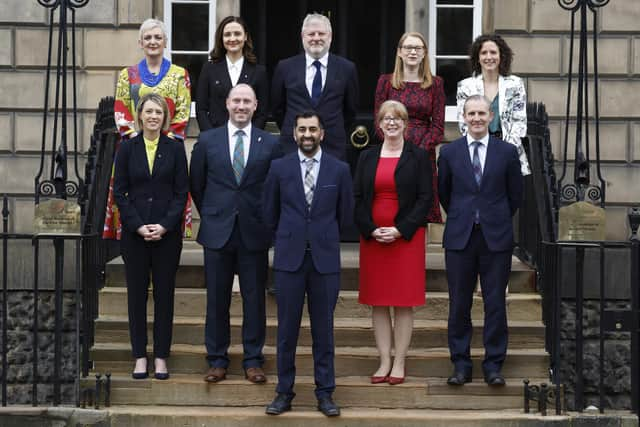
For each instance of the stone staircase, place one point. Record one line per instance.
(187, 400)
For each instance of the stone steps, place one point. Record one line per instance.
(192, 302)
(191, 270)
(354, 331)
(351, 391)
(308, 416)
(350, 361)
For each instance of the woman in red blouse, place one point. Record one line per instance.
(412, 84)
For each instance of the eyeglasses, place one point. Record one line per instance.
(391, 119)
(408, 48)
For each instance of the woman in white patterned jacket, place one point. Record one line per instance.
(491, 58)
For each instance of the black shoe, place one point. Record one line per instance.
(282, 403)
(161, 375)
(327, 406)
(139, 375)
(459, 378)
(494, 378)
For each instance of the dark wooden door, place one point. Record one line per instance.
(364, 31)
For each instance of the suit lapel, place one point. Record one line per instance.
(302, 77)
(246, 73)
(466, 160)
(140, 154)
(255, 149)
(489, 159)
(161, 154)
(223, 75)
(323, 172)
(223, 150)
(332, 74)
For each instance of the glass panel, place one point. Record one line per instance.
(193, 64)
(456, 2)
(190, 26)
(452, 71)
(455, 31)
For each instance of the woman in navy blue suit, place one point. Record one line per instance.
(150, 189)
(232, 61)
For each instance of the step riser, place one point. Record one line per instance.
(516, 366)
(171, 393)
(423, 338)
(436, 280)
(435, 308)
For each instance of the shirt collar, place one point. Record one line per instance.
(323, 60)
(484, 140)
(316, 156)
(232, 129)
(237, 65)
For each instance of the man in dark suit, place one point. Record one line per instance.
(316, 80)
(480, 188)
(228, 168)
(307, 199)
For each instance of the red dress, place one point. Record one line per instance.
(391, 274)
(426, 121)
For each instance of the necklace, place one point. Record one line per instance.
(150, 79)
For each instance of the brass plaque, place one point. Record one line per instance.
(581, 221)
(57, 216)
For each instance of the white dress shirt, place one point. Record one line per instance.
(235, 68)
(482, 149)
(311, 70)
(246, 140)
(316, 165)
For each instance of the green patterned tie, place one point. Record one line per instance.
(238, 156)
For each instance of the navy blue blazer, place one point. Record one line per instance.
(413, 179)
(151, 198)
(286, 215)
(497, 198)
(337, 105)
(214, 85)
(219, 199)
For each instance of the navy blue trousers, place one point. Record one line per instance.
(322, 294)
(463, 268)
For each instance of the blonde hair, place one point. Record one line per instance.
(393, 107)
(158, 99)
(424, 70)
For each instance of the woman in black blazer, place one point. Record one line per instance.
(393, 194)
(150, 189)
(232, 61)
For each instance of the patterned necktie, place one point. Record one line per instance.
(316, 87)
(238, 156)
(309, 184)
(477, 166)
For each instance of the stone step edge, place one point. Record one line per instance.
(339, 322)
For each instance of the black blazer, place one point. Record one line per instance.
(214, 85)
(413, 184)
(157, 198)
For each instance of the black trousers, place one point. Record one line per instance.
(143, 262)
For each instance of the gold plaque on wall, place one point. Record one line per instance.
(581, 221)
(57, 216)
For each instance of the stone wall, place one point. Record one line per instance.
(20, 343)
(538, 32)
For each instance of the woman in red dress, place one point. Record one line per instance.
(422, 93)
(393, 194)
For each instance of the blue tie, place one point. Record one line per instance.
(316, 87)
(238, 156)
(477, 166)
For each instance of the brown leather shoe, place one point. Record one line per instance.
(255, 375)
(215, 375)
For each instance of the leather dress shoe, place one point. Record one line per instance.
(459, 378)
(161, 375)
(140, 375)
(215, 375)
(281, 403)
(327, 406)
(495, 379)
(255, 375)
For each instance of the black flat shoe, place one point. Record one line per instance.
(161, 375)
(494, 379)
(139, 375)
(459, 378)
(327, 406)
(281, 403)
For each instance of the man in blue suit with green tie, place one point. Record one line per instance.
(308, 199)
(480, 188)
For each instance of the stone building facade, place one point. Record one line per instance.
(537, 30)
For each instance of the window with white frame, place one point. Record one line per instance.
(191, 26)
(453, 25)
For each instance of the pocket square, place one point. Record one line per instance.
(329, 186)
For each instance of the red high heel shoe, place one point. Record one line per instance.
(379, 380)
(397, 380)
